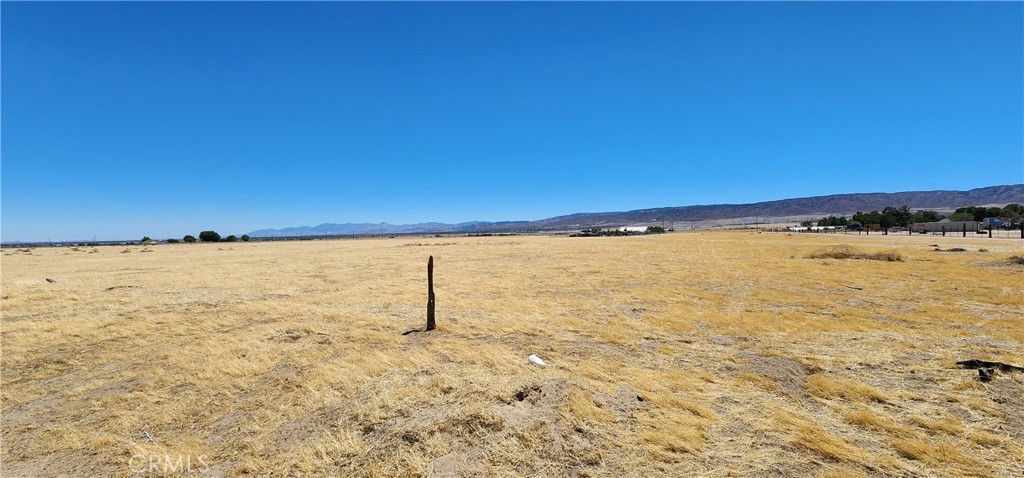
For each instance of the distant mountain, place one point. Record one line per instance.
(838, 204)
(353, 229)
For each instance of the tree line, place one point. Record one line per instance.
(205, 236)
(903, 217)
(1013, 212)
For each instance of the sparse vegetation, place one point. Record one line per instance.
(704, 355)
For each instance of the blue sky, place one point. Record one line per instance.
(164, 119)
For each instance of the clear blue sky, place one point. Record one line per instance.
(165, 119)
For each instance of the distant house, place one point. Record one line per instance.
(946, 225)
(633, 229)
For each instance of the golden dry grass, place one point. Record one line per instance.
(827, 386)
(715, 354)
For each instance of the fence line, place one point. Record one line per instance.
(994, 233)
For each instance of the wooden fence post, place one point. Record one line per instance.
(965, 229)
(430, 293)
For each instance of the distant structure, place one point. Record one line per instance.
(814, 228)
(946, 225)
(635, 229)
(996, 222)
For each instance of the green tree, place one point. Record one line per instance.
(833, 221)
(245, 238)
(231, 238)
(897, 216)
(189, 238)
(962, 215)
(209, 236)
(869, 218)
(975, 213)
(925, 216)
(1013, 211)
(145, 238)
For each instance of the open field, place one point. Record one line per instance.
(688, 354)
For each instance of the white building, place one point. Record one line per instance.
(628, 229)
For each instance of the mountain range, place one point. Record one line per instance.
(817, 206)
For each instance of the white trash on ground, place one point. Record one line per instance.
(536, 361)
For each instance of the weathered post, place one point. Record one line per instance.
(943, 231)
(990, 232)
(430, 293)
(1022, 230)
(965, 229)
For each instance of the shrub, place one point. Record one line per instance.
(245, 238)
(231, 238)
(189, 238)
(891, 256)
(209, 236)
(145, 238)
(173, 241)
(850, 252)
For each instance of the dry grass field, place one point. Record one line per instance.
(687, 354)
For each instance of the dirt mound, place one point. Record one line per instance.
(844, 251)
(535, 405)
